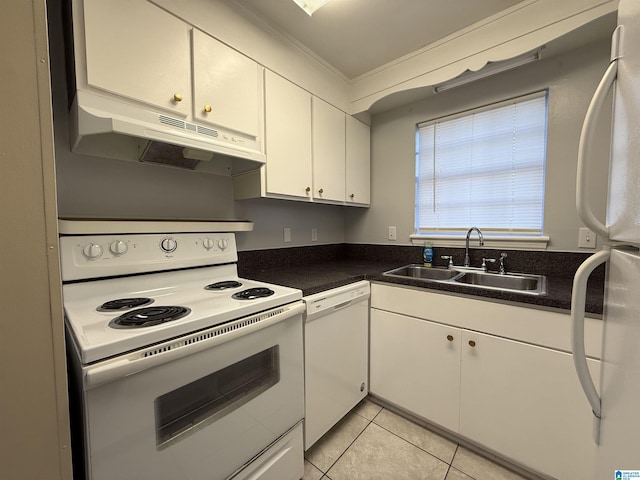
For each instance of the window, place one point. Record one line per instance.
(484, 168)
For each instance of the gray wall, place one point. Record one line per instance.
(571, 79)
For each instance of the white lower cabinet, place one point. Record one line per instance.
(525, 402)
(520, 400)
(415, 366)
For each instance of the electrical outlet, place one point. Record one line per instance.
(586, 238)
(392, 233)
(314, 234)
(287, 234)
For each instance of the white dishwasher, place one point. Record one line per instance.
(336, 356)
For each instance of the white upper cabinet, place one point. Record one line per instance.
(328, 126)
(139, 51)
(287, 138)
(149, 65)
(315, 152)
(227, 87)
(358, 162)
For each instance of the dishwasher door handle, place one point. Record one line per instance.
(343, 304)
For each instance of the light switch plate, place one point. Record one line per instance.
(586, 238)
(287, 234)
(314, 234)
(392, 233)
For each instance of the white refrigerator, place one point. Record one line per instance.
(616, 400)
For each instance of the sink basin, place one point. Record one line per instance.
(526, 283)
(521, 283)
(424, 273)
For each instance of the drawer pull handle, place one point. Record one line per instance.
(177, 97)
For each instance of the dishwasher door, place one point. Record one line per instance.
(336, 341)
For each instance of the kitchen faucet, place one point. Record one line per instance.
(480, 237)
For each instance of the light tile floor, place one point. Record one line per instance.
(373, 443)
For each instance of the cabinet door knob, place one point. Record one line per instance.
(472, 343)
(320, 191)
(351, 196)
(308, 189)
(450, 338)
(177, 97)
(207, 108)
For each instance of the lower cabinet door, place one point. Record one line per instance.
(525, 402)
(415, 364)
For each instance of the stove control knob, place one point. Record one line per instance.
(168, 245)
(208, 243)
(118, 247)
(92, 251)
(223, 243)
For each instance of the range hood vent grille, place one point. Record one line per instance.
(174, 122)
(207, 131)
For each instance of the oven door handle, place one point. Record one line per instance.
(138, 361)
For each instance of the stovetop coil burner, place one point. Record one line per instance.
(223, 285)
(124, 304)
(253, 293)
(149, 316)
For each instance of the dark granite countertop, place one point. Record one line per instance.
(317, 274)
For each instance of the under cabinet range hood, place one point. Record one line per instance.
(111, 128)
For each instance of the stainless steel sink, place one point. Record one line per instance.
(521, 283)
(424, 273)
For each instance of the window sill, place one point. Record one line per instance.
(512, 242)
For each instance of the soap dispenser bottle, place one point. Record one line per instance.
(427, 254)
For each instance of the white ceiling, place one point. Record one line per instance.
(357, 36)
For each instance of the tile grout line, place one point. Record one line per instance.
(450, 464)
(349, 446)
(457, 469)
(325, 473)
(417, 446)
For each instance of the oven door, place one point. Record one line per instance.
(198, 407)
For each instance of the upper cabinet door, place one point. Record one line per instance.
(358, 162)
(138, 51)
(328, 126)
(227, 86)
(288, 137)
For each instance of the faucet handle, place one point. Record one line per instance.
(484, 262)
(448, 257)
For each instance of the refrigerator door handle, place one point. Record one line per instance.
(588, 127)
(578, 298)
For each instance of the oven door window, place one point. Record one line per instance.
(214, 396)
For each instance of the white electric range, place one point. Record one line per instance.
(181, 368)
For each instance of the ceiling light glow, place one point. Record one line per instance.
(310, 6)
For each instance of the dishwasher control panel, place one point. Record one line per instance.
(337, 298)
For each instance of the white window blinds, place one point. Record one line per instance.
(483, 168)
